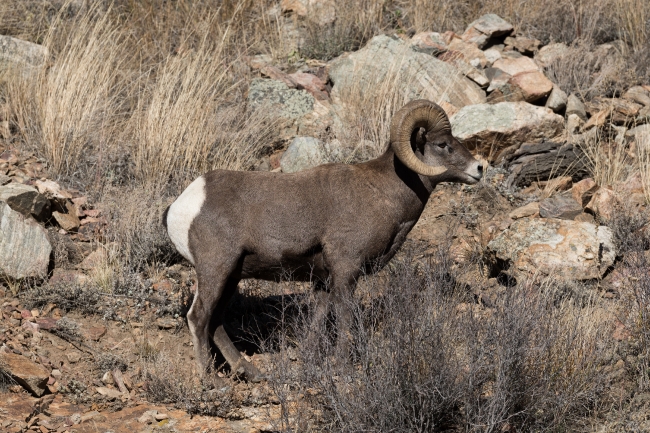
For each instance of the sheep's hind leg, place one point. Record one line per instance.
(221, 339)
(211, 284)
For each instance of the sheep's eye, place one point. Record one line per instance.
(441, 145)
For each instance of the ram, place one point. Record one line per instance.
(326, 225)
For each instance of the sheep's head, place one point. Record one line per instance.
(434, 151)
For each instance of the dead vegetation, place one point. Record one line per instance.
(139, 97)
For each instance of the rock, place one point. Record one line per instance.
(492, 55)
(557, 100)
(24, 247)
(548, 54)
(310, 83)
(532, 162)
(166, 323)
(599, 119)
(516, 66)
(73, 356)
(470, 52)
(560, 248)
(562, 183)
(277, 75)
(94, 333)
(574, 123)
(523, 44)
(533, 85)
(531, 209)
(431, 43)
(638, 94)
(497, 78)
(67, 221)
(292, 103)
(51, 189)
(583, 191)
(148, 417)
(485, 28)
(575, 106)
(29, 375)
(469, 71)
(110, 393)
(390, 61)
(489, 129)
(21, 54)
(97, 258)
(604, 203)
(26, 200)
(68, 277)
(303, 153)
(559, 206)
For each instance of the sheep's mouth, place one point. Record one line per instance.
(473, 179)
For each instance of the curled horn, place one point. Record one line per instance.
(417, 114)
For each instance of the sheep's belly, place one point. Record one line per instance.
(305, 267)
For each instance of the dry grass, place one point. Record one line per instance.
(608, 161)
(643, 160)
(428, 358)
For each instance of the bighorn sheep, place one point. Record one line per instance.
(327, 224)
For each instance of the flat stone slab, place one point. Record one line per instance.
(29, 375)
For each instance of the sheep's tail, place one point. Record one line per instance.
(164, 216)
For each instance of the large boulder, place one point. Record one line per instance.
(298, 110)
(24, 247)
(303, 153)
(564, 249)
(21, 54)
(490, 128)
(390, 61)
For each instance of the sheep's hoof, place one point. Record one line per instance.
(249, 372)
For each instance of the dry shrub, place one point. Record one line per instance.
(643, 160)
(356, 22)
(169, 381)
(607, 161)
(427, 358)
(589, 71)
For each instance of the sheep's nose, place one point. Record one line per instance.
(480, 168)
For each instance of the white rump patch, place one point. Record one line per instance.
(181, 214)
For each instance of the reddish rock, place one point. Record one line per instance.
(29, 375)
(583, 191)
(46, 323)
(533, 84)
(470, 53)
(94, 333)
(310, 83)
(598, 119)
(529, 210)
(603, 203)
(165, 285)
(516, 66)
(276, 74)
(63, 276)
(67, 221)
(523, 44)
